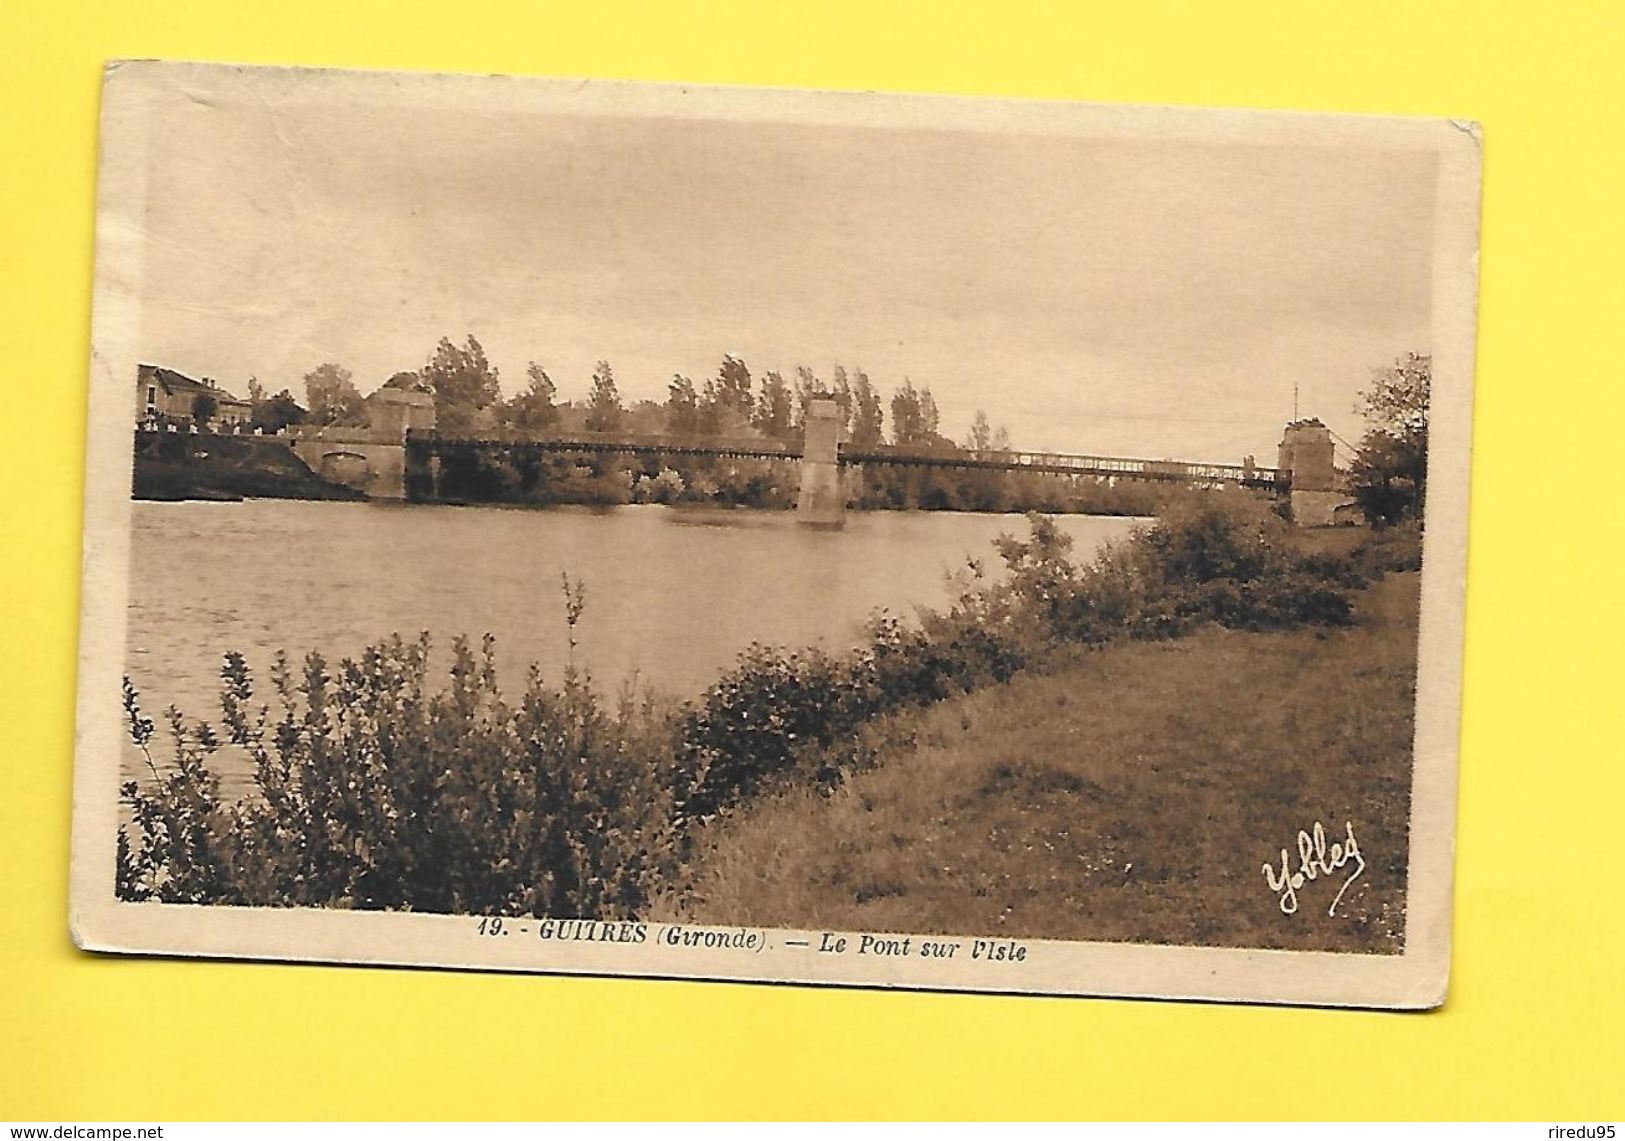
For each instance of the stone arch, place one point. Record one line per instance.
(349, 468)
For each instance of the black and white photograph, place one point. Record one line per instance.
(772, 535)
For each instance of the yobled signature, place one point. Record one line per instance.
(1315, 859)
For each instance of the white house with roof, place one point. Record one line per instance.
(164, 395)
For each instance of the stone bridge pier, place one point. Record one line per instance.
(356, 460)
(821, 501)
(370, 459)
(1306, 455)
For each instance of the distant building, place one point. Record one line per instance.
(395, 410)
(164, 395)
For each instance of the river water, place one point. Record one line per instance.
(671, 595)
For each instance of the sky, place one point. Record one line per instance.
(1141, 297)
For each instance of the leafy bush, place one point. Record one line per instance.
(776, 706)
(666, 487)
(753, 721)
(374, 793)
(1224, 560)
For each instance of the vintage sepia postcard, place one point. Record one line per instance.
(769, 535)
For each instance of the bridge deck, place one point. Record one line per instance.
(1063, 463)
(1050, 463)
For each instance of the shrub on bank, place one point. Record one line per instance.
(1227, 560)
(775, 705)
(1231, 562)
(375, 793)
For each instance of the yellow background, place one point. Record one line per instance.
(1535, 1019)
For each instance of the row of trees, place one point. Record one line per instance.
(1387, 476)
(468, 398)
(777, 409)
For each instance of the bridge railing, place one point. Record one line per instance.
(755, 447)
(346, 434)
(1063, 463)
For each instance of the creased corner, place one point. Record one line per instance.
(1472, 128)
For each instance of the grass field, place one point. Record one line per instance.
(1134, 794)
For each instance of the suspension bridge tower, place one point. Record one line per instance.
(821, 502)
(1306, 454)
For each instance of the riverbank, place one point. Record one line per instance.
(180, 465)
(1132, 794)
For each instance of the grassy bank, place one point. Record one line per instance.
(1131, 795)
(180, 465)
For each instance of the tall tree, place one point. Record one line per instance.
(908, 418)
(774, 411)
(841, 389)
(868, 419)
(464, 384)
(256, 391)
(727, 405)
(1389, 473)
(981, 433)
(533, 410)
(986, 438)
(733, 390)
(682, 406)
(604, 409)
(928, 419)
(331, 396)
(1396, 403)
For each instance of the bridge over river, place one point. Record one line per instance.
(1050, 463)
(1305, 471)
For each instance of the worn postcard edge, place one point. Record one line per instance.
(1416, 978)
